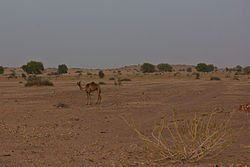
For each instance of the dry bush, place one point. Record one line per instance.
(191, 140)
(215, 78)
(38, 81)
(125, 79)
(236, 77)
(102, 83)
(61, 105)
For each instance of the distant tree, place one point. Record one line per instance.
(210, 67)
(189, 69)
(62, 69)
(247, 71)
(101, 74)
(1, 70)
(164, 67)
(33, 67)
(238, 68)
(201, 67)
(147, 67)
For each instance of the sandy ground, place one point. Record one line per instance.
(35, 132)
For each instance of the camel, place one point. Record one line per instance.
(91, 87)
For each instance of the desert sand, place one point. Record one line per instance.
(52, 126)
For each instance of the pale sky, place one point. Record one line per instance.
(114, 33)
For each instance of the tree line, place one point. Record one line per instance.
(36, 67)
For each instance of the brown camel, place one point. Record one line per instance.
(91, 87)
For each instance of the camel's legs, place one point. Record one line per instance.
(87, 99)
(100, 99)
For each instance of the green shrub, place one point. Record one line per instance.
(102, 83)
(125, 79)
(13, 74)
(24, 76)
(1, 70)
(188, 140)
(101, 74)
(210, 67)
(189, 69)
(33, 67)
(62, 69)
(111, 78)
(247, 70)
(53, 73)
(79, 71)
(164, 67)
(197, 75)
(236, 77)
(147, 68)
(238, 68)
(38, 81)
(215, 78)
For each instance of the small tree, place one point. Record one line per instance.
(247, 71)
(210, 67)
(101, 74)
(189, 69)
(147, 67)
(62, 69)
(1, 70)
(238, 68)
(33, 67)
(164, 67)
(201, 67)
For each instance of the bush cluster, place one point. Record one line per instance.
(1, 70)
(215, 78)
(147, 68)
(101, 74)
(38, 81)
(164, 67)
(102, 83)
(62, 69)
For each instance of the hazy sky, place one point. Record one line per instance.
(113, 33)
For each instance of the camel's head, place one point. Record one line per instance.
(80, 85)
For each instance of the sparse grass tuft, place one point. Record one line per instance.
(102, 83)
(37, 81)
(62, 105)
(125, 79)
